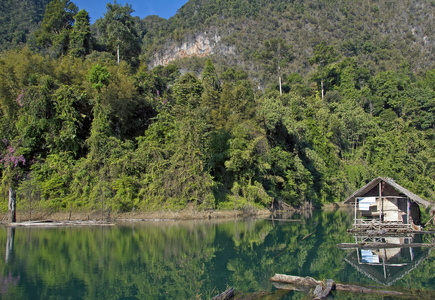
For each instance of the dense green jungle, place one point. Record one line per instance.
(295, 114)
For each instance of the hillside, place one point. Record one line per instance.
(18, 19)
(381, 35)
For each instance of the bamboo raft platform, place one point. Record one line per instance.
(50, 223)
(370, 245)
(374, 227)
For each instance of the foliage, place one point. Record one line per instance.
(56, 26)
(80, 38)
(116, 135)
(19, 19)
(118, 31)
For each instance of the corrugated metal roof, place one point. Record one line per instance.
(392, 183)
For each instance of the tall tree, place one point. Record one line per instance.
(210, 97)
(100, 129)
(323, 55)
(277, 52)
(56, 26)
(80, 41)
(118, 31)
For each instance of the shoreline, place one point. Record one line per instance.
(94, 217)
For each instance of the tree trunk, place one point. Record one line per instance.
(117, 54)
(321, 83)
(12, 205)
(117, 49)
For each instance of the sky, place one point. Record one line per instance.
(142, 8)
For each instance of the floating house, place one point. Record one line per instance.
(382, 204)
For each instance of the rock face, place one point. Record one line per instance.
(199, 45)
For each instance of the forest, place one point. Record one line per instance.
(85, 123)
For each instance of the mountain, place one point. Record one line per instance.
(18, 19)
(381, 35)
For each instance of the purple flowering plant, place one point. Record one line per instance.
(19, 99)
(10, 157)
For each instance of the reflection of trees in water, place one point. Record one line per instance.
(156, 261)
(6, 282)
(182, 260)
(300, 248)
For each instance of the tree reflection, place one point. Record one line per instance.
(180, 260)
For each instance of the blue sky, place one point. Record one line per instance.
(142, 8)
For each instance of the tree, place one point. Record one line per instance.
(80, 43)
(100, 128)
(188, 90)
(209, 77)
(323, 55)
(118, 31)
(210, 96)
(278, 52)
(389, 91)
(56, 26)
(10, 160)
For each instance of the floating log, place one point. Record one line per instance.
(322, 291)
(381, 245)
(311, 282)
(228, 294)
(285, 220)
(60, 223)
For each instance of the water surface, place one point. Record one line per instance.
(194, 259)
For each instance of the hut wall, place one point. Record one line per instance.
(415, 214)
(391, 211)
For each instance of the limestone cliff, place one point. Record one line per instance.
(200, 45)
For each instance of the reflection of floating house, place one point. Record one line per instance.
(387, 265)
(383, 204)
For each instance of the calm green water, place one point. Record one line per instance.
(190, 260)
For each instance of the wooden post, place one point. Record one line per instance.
(12, 205)
(381, 200)
(356, 202)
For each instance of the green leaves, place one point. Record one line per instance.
(56, 26)
(99, 77)
(118, 31)
(80, 38)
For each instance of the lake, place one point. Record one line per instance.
(197, 259)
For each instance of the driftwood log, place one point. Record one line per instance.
(293, 282)
(48, 223)
(228, 294)
(322, 291)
